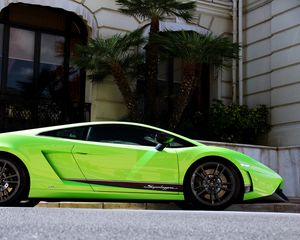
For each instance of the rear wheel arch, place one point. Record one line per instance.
(223, 160)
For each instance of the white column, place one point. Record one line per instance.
(241, 84)
(234, 62)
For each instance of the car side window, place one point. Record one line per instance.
(122, 134)
(78, 133)
(132, 135)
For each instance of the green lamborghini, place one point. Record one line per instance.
(127, 161)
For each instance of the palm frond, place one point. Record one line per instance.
(197, 48)
(101, 53)
(147, 9)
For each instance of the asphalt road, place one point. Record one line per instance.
(41, 223)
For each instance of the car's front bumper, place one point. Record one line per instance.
(277, 196)
(263, 183)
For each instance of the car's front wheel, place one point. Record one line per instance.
(212, 184)
(12, 182)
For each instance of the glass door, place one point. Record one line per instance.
(20, 59)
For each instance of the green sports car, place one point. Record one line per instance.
(126, 161)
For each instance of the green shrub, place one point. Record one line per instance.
(236, 123)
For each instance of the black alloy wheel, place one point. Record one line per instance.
(12, 182)
(212, 185)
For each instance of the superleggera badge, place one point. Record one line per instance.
(161, 187)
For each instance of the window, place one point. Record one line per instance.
(131, 135)
(78, 133)
(40, 41)
(37, 76)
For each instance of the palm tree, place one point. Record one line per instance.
(155, 11)
(114, 56)
(194, 49)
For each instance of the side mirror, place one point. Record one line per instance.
(163, 141)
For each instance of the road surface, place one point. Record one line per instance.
(47, 223)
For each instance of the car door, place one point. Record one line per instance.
(123, 158)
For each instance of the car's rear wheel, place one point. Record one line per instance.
(12, 182)
(212, 184)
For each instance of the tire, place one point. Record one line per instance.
(212, 185)
(12, 182)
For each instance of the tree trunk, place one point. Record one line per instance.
(186, 89)
(151, 73)
(125, 89)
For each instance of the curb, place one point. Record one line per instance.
(110, 205)
(266, 207)
(254, 207)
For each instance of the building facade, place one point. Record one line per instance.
(38, 38)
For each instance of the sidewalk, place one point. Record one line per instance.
(290, 207)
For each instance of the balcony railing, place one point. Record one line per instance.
(18, 114)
